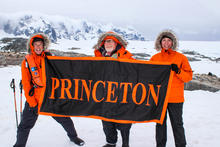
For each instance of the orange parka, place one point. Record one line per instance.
(120, 53)
(174, 57)
(26, 73)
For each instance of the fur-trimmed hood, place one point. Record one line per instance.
(29, 45)
(117, 38)
(170, 34)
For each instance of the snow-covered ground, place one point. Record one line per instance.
(201, 108)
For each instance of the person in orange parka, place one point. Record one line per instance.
(167, 44)
(117, 51)
(31, 80)
(113, 45)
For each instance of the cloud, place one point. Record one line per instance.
(149, 17)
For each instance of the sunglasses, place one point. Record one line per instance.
(109, 41)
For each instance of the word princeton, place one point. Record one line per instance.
(123, 91)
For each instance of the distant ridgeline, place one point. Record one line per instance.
(13, 44)
(60, 27)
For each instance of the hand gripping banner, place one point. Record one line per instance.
(117, 90)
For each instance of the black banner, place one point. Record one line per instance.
(124, 91)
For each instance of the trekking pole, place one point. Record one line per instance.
(12, 85)
(21, 87)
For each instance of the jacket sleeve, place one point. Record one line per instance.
(26, 81)
(186, 71)
(152, 58)
(97, 53)
(125, 54)
(131, 56)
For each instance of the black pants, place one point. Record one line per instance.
(110, 130)
(175, 111)
(30, 118)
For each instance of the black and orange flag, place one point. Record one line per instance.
(117, 90)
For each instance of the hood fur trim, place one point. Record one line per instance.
(102, 37)
(169, 33)
(41, 35)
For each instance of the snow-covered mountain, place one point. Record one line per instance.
(58, 27)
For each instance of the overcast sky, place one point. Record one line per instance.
(190, 19)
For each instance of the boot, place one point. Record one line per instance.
(109, 145)
(77, 141)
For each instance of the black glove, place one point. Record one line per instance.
(175, 68)
(47, 53)
(34, 110)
